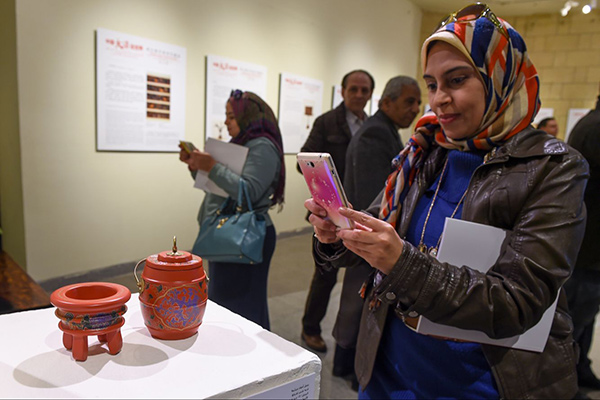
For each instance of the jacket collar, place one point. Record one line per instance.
(380, 114)
(530, 142)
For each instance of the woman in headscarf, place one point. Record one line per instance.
(475, 158)
(242, 288)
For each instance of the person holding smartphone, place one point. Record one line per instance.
(475, 157)
(242, 288)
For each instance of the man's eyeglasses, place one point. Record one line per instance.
(472, 13)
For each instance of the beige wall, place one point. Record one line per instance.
(85, 209)
(565, 52)
(11, 195)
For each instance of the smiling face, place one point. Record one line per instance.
(455, 90)
(230, 122)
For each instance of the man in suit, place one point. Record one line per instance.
(583, 287)
(368, 164)
(331, 133)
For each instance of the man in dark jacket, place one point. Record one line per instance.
(368, 164)
(331, 134)
(583, 288)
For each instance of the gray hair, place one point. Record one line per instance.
(393, 89)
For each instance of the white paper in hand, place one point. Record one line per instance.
(478, 246)
(233, 156)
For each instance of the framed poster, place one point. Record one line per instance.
(337, 98)
(222, 76)
(300, 103)
(140, 93)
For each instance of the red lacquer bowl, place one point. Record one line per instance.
(91, 308)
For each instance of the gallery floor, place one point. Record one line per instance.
(289, 278)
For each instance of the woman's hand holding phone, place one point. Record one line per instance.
(194, 158)
(376, 241)
(184, 155)
(325, 230)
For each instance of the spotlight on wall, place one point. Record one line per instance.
(589, 7)
(567, 7)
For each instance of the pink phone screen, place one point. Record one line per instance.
(321, 185)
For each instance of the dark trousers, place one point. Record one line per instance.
(242, 288)
(318, 298)
(583, 294)
(345, 330)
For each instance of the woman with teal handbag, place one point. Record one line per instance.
(242, 287)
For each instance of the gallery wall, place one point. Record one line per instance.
(11, 195)
(83, 209)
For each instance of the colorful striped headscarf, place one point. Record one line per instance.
(256, 119)
(512, 101)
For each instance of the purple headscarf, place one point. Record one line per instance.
(256, 119)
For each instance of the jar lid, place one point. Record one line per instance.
(174, 259)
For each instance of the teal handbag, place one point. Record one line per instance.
(230, 235)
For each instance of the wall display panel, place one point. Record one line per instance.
(300, 103)
(575, 114)
(222, 76)
(140, 93)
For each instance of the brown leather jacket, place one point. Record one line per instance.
(532, 186)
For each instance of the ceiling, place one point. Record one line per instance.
(501, 8)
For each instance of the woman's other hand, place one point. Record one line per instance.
(325, 230)
(374, 240)
(199, 160)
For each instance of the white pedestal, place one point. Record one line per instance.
(230, 357)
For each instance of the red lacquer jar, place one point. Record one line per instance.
(173, 294)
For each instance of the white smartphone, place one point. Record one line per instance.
(324, 185)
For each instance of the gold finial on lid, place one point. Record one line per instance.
(174, 252)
